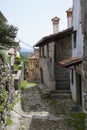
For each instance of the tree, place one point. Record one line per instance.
(7, 34)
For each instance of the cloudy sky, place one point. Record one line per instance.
(33, 17)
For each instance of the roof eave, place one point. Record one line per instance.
(53, 37)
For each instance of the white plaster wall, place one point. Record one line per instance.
(78, 51)
(73, 86)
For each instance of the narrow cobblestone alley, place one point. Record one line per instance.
(44, 113)
(34, 111)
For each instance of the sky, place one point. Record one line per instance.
(33, 17)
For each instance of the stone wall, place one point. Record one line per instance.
(84, 31)
(6, 93)
(18, 77)
(84, 15)
(63, 48)
(85, 73)
(46, 66)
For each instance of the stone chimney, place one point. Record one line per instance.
(69, 17)
(55, 22)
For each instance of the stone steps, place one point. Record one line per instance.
(61, 77)
(63, 93)
(43, 123)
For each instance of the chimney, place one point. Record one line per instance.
(55, 22)
(69, 17)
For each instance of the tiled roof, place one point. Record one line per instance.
(53, 37)
(32, 57)
(70, 62)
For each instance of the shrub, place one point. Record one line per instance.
(24, 84)
(17, 60)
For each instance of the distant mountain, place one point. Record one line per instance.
(26, 50)
(25, 53)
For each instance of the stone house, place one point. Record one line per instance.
(33, 67)
(68, 49)
(78, 63)
(52, 49)
(77, 51)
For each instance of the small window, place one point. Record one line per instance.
(74, 39)
(61, 47)
(72, 76)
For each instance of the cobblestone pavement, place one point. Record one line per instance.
(36, 112)
(44, 113)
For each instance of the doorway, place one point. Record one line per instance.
(79, 88)
(41, 75)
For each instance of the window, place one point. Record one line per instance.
(74, 39)
(72, 76)
(61, 47)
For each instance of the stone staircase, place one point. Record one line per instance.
(62, 83)
(61, 94)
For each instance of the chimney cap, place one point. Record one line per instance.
(55, 20)
(69, 12)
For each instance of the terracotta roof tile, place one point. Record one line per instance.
(70, 62)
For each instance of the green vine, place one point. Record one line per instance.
(4, 94)
(2, 107)
(4, 97)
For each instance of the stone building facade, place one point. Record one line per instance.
(52, 49)
(33, 71)
(78, 63)
(75, 62)
(77, 52)
(84, 31)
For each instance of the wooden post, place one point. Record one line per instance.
(47, 50)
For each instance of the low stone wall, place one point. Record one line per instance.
(18, 77)
(6, 93)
